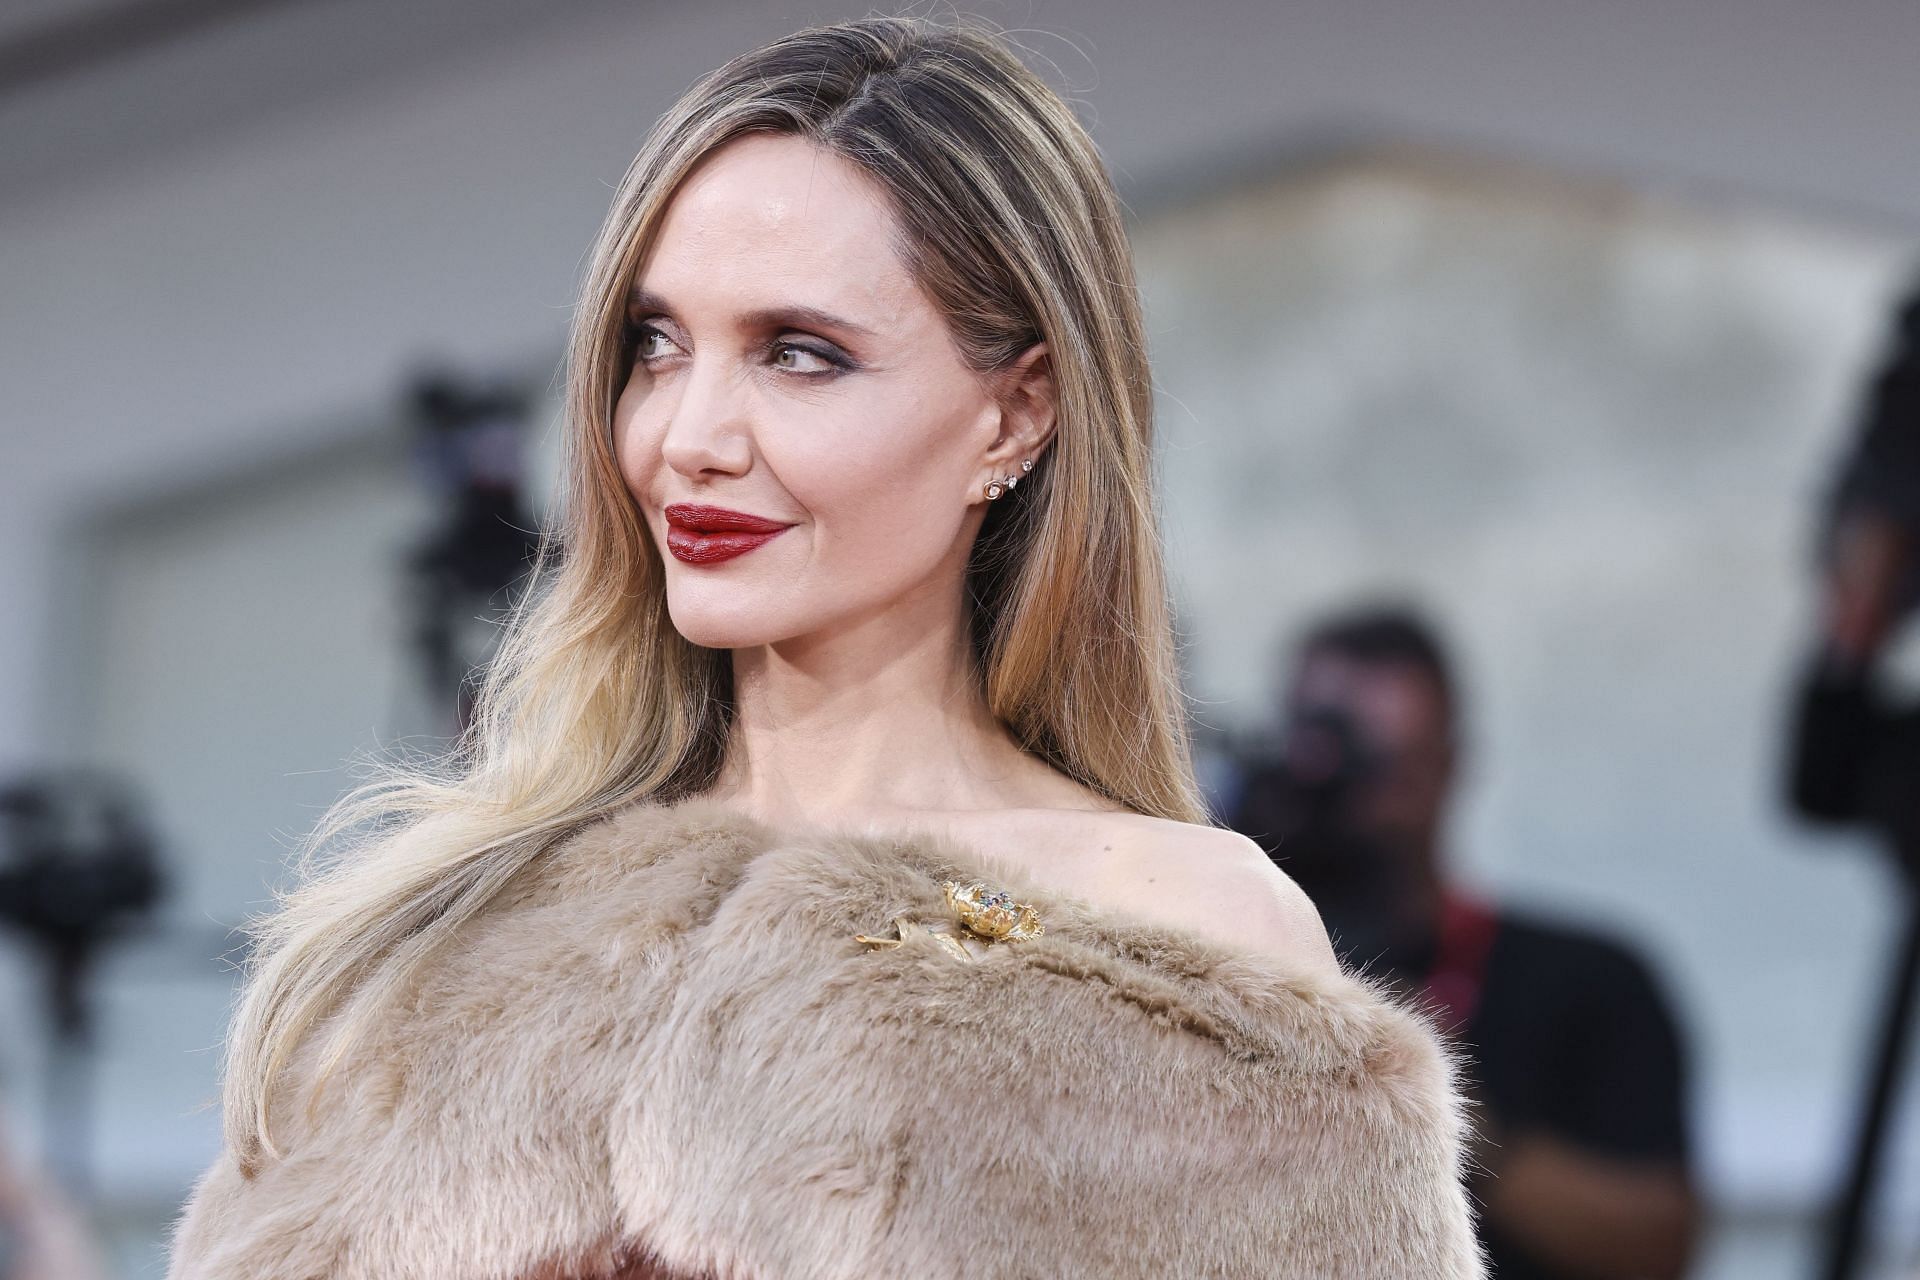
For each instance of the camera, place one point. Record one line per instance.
(1305, 802)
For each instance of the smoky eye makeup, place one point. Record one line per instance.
(792, 352)
(809, 356)
(635, 325)
(639, 334)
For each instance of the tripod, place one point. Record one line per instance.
(1879, 1104)
(78, 868)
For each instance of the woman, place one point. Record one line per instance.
(825, 893)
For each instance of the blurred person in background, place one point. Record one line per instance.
(42, 1237)
(1856, 746)
(1573, 1054)
(1853, 753)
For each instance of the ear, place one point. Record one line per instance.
(1024, 391)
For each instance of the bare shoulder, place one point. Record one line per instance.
(1218, 884)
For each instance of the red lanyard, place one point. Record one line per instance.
(1453, 985)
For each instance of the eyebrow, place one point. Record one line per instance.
(789, 316)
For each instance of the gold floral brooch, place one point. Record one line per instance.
(992, 913)
(985, 915)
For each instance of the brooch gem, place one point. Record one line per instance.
(984, 916)
(992, 913)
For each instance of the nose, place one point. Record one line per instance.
(708, 430)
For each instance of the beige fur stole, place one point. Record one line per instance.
(666, 1046)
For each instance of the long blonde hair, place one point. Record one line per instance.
(1010, 224)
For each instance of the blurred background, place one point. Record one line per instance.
(1554, 324)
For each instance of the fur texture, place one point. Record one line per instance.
(665, 1049)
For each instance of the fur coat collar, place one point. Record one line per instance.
(665, 1047)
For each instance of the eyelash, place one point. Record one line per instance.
(639, 330)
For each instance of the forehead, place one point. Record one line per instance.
(769, 217)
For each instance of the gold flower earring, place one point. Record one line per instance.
(997, 487)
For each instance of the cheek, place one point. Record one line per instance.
(638, 427)
(889, 487)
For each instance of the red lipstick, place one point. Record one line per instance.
(708, 535)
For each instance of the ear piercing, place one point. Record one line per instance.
(997, 487)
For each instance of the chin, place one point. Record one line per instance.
(736, 621)
(704, 628)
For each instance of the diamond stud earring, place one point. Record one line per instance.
(997, 487)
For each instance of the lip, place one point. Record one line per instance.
(698, 534)
(703, 519)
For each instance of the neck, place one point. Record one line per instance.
(1412, 894)
(1426, 886)
(877, 718)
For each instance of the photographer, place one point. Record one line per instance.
(1575, 1060)
(1854, 751)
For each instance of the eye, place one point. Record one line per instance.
(808, 360)
(649, 342)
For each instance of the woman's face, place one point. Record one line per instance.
(787, 367)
